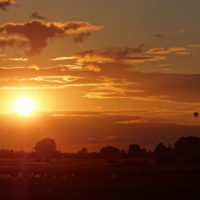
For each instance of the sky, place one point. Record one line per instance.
(99, 72)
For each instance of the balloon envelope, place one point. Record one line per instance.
(196, 114)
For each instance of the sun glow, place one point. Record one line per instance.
(24, 105)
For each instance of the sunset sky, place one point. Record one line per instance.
(99, 72)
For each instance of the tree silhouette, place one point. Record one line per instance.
(134, 151)
(188, 146)
(160, 149)
(45, 146)
(83, 153)
(110, 152)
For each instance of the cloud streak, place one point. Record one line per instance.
(166, 50)
(108, 84)
(110, 54)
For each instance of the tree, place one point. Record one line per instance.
(124, 154)
(188, 146)
(83, 153)
(45, 146)
(110, 152)
(160, 150)
(134, 151)
(84, 150)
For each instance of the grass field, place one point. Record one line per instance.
(97, 180)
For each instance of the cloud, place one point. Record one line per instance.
(164, 65)
(109, 138)
(36, 15)
(33, 67)
(132, 121)
(3, 55)
(18, 59)
(109, 84)
(63, 58)
(144, 58)
(194, 45)
(160, 35)
(30, 72)
(92, 67)
(109, 54)
(150, 87)
(70, 67)
(105, 81)
(14, 42)
(81, 37)
(4, 4)
(166, 50)
(185, 53)
(37, 32)
(113, 58)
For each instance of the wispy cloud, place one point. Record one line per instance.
(166, 50)
(118, 58)
(81, 37)
(160, 35)
(164, 65)
(14, 42)
(132, 121)
(194, 45)
(63, 58)
(92, 67)
(109, 54)
(185, 53)
(4, 4)
(139, 86)
(18, 59)
(36, 15)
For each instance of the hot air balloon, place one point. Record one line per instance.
(196, 114)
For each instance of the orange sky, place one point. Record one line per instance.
(99, 73)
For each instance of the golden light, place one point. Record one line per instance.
(24, 105)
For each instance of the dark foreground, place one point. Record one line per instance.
(97, 180)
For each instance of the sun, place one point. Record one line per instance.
(24, 105)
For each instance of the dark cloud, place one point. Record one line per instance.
(36, 15)
(110, 54)
(4, 4)
(19, 43)
(38, 32)
(113, 58)
(160, 35)
(81, 37)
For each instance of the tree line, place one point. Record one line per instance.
(184, 147)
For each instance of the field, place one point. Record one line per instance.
(97, 180)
